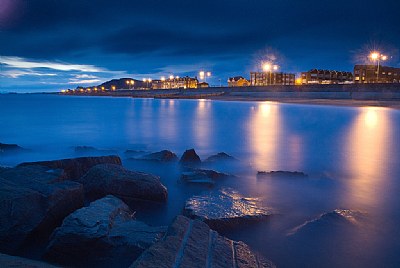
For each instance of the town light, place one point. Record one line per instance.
(171, 77)
(162, 78)
(378, 57)
(374, 56)
(266, 67)
(208, 74)
(276, 67)
(112, 87)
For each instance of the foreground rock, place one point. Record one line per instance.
(104, 233)
(280, 173)
(33, 201)
(105, 179)
(162, 156)
(328, 222)
(18, 262)
(202, 176)
(4, 148)
(191, 243)
(220, 157)
(77, 167)
(190, 157)
(225, 209)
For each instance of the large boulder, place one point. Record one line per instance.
(77, 167)
(105, 179)
(104, 233)
(162, 156)
(191, 243)
(225, 209)
(33, 201)
(18, 262)
(190, 157)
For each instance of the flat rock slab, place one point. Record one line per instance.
(281, 173)
(225, 209)
(18, 262)
(330, 221)
(191, 243)
(105, 232)
(202, 176)
(105, 179)
(220, 157)
(33, 201)
(77, 167)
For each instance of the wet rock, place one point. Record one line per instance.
(220, 157)
(190, 157)
(104, 233)
(18, 262)
(191, 243)
(162, 156)
(33, 201)
(77, 167)
(202, 176)
(105, 179)
(280, 173)
(10, 148)
(328, 222)
(225, 209)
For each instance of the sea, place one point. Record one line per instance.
(350, 154)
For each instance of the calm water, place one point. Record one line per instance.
(351, 154)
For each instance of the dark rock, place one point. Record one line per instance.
(202, 176)
(77, 167)
(225, 209)
(220, 157)
(328, 222)
(190, 157)
(162, 156)
(281, 173)
(18, 262)
(33, 201)
(9, 147)
(105, 179)
(191, 243)
(104, 233)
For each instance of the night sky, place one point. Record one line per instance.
(54, 44)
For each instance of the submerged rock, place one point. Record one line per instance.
(4, 147)
(202, 176)
(281, 173)
(105, 179)
(77, 167)
(327, 222)
(225, 209)
(191, 243)
(162, 156)
(103, 233)
(18, 262)
(33, 201)
(190, 157)
(220, 157)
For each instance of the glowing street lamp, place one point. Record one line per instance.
(378, 57)
(268, 67)
(203, 75)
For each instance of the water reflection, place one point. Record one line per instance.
(368, 156)
(265, 132)
(202, 124)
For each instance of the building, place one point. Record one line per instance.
(203, 85)
(316, 76)
(175, 82)
(369, 74)
(271, 78)
(238, 81)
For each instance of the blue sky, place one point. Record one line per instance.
(49, 45)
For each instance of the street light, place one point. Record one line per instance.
(268, 67)
(203, 75)
(378, 57)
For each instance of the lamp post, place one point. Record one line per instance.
(268, 67)
(378, 57)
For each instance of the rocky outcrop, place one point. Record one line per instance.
(191, 243)
(18, 262)
(4, 148)
(162, 156)
(280, 173)
(77, 167)
(225, 209)
(103, 233)
(328, 222)
(190, 157)
(202, 176)
(33, 201)
(105, 179)
(220, 157)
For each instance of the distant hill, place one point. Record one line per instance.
(120, 84)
